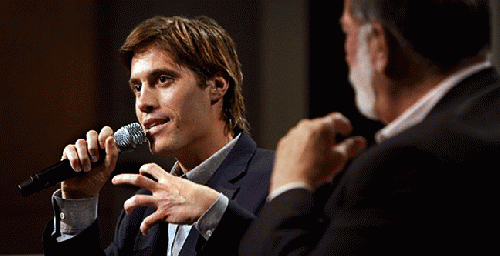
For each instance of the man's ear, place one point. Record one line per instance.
(379, 50)
(217, 87)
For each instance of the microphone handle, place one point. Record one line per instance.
(53, 175)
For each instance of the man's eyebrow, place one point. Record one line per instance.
(133, 81)
(165, 71)
(155, 73)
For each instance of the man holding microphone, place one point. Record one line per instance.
(186, 78)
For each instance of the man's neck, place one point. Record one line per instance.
(400, 100)
(419, 110)
(399, 97)
(204, 148)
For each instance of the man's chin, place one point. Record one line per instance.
(365, 106)
(160, 149)
(155, 149)
(369, 113)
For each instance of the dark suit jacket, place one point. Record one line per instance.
(243, 177)
(431, 190)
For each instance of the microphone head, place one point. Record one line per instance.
(129, 137)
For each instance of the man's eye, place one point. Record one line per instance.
(164, 79)
(137, 87)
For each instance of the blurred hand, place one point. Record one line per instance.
(309, 153)
(177, 200)
(80, 155)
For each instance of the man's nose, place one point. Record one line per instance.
(148, 100)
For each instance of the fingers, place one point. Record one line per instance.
(351, 147)
(111, 153)
(138, 200)
(77, 156)
(356, 145)
(337, 124)
(84, 152)
(311, 152)
(105, 133)
(71, 154)
(135, 180)
(92, 145)
(154, 170)
(140, 180)
(83, 156)
(153, 219)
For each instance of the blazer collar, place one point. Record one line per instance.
(234, 166)
(467, 88)
(223, 180)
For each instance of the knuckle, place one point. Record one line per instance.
(341, 152)
(323, 126)
(80, 142)
(105, 128)
(127, 206)
(145, 167)
(132, 201)
(304, 123)
(75, 164)
(69, 148)
(91, 133)
(106, 131)
(337, 115)
(149, 166)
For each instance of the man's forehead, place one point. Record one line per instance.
(154, 56)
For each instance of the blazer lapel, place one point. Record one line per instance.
(231, 169)
(156, 242)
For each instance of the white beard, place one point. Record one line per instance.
(360, 76)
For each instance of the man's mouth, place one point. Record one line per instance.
(153, 124)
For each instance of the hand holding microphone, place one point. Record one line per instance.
(87, 164)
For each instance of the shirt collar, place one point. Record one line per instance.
(202, 173)
(416, 113)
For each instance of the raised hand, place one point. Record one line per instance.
(177, 200)
(310, 155)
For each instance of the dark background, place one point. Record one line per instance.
(60, 76)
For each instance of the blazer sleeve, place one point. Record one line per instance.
(230, 230)
(288, 223)
(86, 243)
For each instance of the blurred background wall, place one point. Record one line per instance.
(60, 76)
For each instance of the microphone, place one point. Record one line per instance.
(126, 138)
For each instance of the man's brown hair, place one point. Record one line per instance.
(199, 44)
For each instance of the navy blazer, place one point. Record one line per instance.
(243, 177)
(431, 190)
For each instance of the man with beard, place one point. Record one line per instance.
(428, 186)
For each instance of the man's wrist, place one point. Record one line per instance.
(287, 187)
(207, 223)
(72, 216)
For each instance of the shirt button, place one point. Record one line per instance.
(62, 215)
(208, 233)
